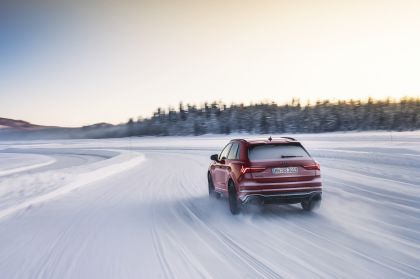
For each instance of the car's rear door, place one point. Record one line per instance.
(231, 158)
(219, 169)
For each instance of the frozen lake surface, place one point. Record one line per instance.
(139, 208)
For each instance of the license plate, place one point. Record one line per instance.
(288, 170)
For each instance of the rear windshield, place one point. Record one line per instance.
(276, 151)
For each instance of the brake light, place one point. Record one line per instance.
(251, 169)
(314, 166)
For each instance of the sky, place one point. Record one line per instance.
(73, 63)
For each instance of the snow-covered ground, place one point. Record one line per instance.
(12, 163)
(138, 208)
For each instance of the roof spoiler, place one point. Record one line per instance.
(289, 138)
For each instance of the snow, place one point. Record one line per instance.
(143, 211)
(13, 163)
(19, 192)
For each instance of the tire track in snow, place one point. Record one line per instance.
(240, 253)
(359, 253)
(228, 243)
(165, 237)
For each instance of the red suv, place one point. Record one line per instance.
(278, 171)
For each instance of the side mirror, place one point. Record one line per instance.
(214, 157)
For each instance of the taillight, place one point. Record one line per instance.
(314, 166)
(251, 169)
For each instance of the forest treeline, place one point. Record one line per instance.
(272, 118)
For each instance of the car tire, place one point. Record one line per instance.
(212, 192)
(234, 204)
(311, 204)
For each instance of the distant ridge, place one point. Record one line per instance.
(12, 129)
(98, 125)
(18, 124)
(25, 125)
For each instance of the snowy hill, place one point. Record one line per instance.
(17, 124)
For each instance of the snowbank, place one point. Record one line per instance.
(20, 191)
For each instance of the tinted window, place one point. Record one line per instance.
(233, 153)
(273, 152)
(225, 152)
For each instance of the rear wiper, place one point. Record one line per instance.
(290, 156)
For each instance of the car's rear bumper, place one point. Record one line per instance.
(283, 198)
(288, 192)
